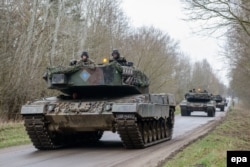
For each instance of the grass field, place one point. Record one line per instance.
(12, 134)
(177, 110)
(210, 151)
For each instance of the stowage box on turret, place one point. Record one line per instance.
(106, 97)
(198, 101)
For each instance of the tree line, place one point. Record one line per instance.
(230, 18)
(36, 34)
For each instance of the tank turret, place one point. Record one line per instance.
(198, 97)
(98, 80)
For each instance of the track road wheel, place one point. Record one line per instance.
(150, 133)
(145, 133)
(171, 118)
(169, 129)
(163, 135)
(158, 130)
(154, 130)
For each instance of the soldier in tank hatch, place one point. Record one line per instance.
(85, 60)
(116, 57)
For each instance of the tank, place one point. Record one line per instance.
(198, 101)
(94, 99)
(220, 103)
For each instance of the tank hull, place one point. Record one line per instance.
(149, 117)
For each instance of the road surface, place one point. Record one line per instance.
(110, 152)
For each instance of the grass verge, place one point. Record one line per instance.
(12, 134)
(177, 110)
(210, 151)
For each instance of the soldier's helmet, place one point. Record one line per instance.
(115, 51)
(84, 53)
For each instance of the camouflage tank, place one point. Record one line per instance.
(106, 97)
(220, 103)
(198, 101)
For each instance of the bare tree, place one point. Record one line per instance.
(204, 78)
(155, 53)
(183, 77)
(107, 28)
(232, 15)
(35, 34)
(220, 13)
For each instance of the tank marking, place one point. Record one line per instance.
(85, 75)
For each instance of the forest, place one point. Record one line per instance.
(37, 34)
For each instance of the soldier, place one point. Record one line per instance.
(85, 60)
(116, 57)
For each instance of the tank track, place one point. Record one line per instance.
(143, 133)
(36, 127)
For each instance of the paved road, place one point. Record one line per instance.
(110, 152)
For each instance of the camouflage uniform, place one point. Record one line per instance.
(87, 61)
(121, 60)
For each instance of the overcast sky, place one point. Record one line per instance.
(168, 16)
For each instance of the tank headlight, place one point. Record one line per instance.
(105, 60)
(59, 79)
(108, 107)
(50, 108)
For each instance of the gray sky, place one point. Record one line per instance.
(168, 16)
